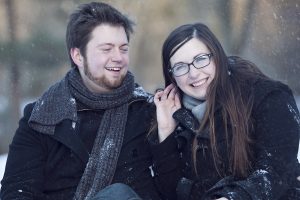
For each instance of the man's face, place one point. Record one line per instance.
(106, 61)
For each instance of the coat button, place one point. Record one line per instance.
(134, 153)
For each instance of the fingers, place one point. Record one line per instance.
(172, 93)
(158, 90)
(177, 101)
(169, 88)
(157, 96)
(169, 93)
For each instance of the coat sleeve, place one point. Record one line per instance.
(277, 127)
(23, 177)
(166, 165)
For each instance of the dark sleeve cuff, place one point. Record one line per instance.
(229, 193)
(163, 149)
(229, 189)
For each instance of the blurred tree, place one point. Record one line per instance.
(13, 64)
(286, 48)
(230, 20)
(274, 41)
(241, 17)
(30, 60)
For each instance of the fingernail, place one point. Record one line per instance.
(159, 90)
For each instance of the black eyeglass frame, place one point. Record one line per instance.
(209, 55)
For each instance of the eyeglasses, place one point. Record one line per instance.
(200, 61)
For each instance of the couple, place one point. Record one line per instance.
(219, 130)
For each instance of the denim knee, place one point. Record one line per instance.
(117, 191)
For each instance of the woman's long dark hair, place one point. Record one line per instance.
(226, 90)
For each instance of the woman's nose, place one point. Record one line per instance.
(194, 72)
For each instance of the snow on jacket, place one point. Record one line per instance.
(275, 146)
(42, 166)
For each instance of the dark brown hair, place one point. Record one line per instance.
(226, 90)
(88, 16)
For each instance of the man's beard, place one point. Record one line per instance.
(102, 81)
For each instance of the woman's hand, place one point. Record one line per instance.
(167, 102)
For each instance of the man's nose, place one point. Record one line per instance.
(116, 55)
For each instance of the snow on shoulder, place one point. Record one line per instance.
(140, 92)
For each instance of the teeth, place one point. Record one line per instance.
(114, 69)
(199, 83)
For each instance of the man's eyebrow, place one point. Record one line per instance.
(105, 44)
(111, 44)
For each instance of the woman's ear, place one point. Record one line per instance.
(77, 57)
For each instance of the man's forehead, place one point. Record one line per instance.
(108, 34)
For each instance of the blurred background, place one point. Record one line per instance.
(33, 54)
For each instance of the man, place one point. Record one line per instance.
(87, 131)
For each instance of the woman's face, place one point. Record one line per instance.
(196, 81)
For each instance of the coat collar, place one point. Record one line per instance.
(65, 133)
(188, 121)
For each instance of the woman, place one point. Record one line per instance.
(224, 129)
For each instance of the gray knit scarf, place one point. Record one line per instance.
(59, 103)
(197, 106)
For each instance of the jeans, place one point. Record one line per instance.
(118, 191)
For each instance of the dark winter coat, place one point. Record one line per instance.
(42, 166)
(275, 146)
